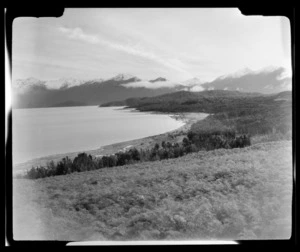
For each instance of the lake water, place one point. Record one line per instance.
(41, 132)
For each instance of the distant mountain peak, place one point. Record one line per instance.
(93, 81)
(23, 85)
(265, 80)
(237, 74)
(97, 80)
(63, 83)
(124, 77)
(158, 79)
(30, 80)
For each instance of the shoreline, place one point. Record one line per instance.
(175, 135)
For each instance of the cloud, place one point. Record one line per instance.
(78, 34)
(171, 63)
(286, 83)
(197, 88)
(150, 85)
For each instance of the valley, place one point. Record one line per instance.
(133, 126)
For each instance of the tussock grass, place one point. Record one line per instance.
(221, 194)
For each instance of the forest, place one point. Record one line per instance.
(247, 113)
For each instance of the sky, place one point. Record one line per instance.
(174, 43)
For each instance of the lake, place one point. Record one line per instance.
(41, 132)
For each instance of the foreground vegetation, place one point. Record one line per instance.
(241, 193)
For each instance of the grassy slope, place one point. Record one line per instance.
(238, 193)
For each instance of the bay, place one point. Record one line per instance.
(40, 132)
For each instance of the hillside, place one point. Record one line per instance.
(179, 97)
(211, 101)
(252, 113)
(235, 194)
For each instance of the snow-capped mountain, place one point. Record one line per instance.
(21, 85)
(237, 74)
(266, 80)
(124, 77)
(32, 92)
(64, 83)
(97, 80)
(89, 92)
(24, 85)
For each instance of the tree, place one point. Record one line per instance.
(105, 161)
(188, 149)
(99, 163)
(181, 151)
(83, 162)
(32, 173)
(164, 154)
(185, 142)
(121, 158)
(112, 161)
(176, 145)
(154, 154)
(68, 165)
(51, 169)
(60, 168)
(190, 135)
(176, 152)
(134, 153)
(171, 153)
(194, 148)
(169, 145)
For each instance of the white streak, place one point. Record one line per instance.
(78, 34)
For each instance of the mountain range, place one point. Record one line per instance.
(32, 93)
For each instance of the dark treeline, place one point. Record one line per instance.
(195, 141)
